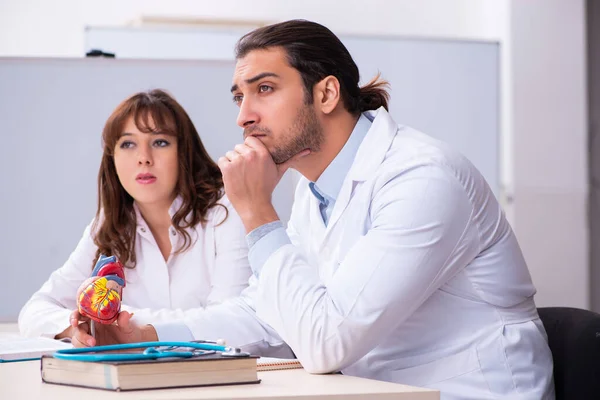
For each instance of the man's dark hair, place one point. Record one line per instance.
(316, 53)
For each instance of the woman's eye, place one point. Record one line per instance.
(264, 88)
(126, 144)
(161, 143)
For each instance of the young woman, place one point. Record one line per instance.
(162, 211)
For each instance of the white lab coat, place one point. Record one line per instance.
(417, 279)
(213, 269)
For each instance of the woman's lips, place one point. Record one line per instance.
(145, 179)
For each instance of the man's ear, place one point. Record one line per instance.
(327, 94)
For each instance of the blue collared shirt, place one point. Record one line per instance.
(266, 239)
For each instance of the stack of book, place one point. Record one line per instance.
(204, 370)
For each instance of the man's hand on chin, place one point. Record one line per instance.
(250, 176)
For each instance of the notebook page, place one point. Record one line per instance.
(273, 364)
(16, 348)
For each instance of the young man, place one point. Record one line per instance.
(397, 264)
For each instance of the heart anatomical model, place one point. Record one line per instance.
(99, 297)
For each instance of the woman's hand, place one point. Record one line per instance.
(123, 330)
(67, 333)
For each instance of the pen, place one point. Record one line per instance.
(220, 342)
(93, 328)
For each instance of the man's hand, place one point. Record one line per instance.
(250, 176)
(121, 331)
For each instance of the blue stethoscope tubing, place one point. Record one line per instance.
(89, 354)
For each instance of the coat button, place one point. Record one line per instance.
(143, 229)
(173, 232)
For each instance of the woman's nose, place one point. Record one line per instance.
(144, 158)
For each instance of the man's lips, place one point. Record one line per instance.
(256, 135)
(255, 131)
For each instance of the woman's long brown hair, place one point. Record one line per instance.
(199, 184)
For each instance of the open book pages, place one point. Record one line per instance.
(273, 364)
(16, 348)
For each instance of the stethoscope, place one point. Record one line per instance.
(152, 351)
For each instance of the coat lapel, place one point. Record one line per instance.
(369, 157)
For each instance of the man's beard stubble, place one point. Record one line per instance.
(304, 133)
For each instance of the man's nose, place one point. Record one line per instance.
(247, 115)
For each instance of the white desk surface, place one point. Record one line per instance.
(22, 380)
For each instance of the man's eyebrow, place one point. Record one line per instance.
(255, 78)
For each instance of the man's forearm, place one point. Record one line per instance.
(258, 216)
(148, 333)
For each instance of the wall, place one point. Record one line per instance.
(55, 28)
(549, 117)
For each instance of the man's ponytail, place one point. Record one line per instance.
(374, 95)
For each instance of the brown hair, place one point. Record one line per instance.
(316, 53)
(199, 183)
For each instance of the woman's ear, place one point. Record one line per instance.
(327, 94)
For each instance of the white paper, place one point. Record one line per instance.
(16, 348)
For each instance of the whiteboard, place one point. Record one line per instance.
(165, 43)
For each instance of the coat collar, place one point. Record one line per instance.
(175, 206)
(374, 147)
